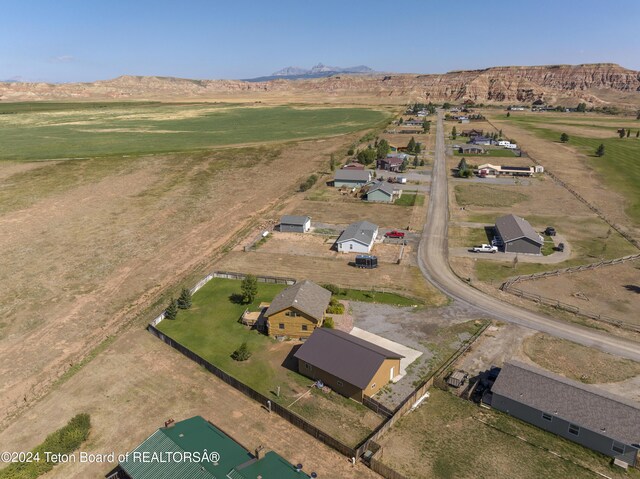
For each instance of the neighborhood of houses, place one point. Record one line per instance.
(358, 367)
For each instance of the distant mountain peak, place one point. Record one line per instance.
(320, 69)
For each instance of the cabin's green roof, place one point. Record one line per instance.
(271, 466)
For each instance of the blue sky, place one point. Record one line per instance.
(70, 40)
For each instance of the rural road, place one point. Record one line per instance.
(434, 263)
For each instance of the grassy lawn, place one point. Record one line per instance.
(378, 297)
(548, 246)
(487, 196)
(69, 130)
(445, 438)
(497, 153)
(567, 358)
(211, 329)
(410, 199)
(63, 441)
(619, 166)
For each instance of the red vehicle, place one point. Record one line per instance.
(394, 234)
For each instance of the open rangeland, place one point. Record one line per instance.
(136, 384)
(88, 245)
(448, 437)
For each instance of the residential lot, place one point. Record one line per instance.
(448, 437)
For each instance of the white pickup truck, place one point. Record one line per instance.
(485, 248)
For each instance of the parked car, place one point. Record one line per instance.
(550, 231)
(485, 248)
(560, 247)
(394, 234)
(366, 261)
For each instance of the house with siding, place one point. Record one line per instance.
(193, 436)
(297, 311)
(583, 414)
(351, 178)
(390, 163)
(516, 235)
(501, 170)
(357, 238)
(471, 150)
(347, 364)
(295, 224)
(381, 191)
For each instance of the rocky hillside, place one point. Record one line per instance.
(569, 83)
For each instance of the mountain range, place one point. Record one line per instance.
(316, 71)
(596, 84)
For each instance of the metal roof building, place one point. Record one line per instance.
(516, 235)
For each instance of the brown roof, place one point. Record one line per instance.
(584, 406)
(305, 296)
(344, 356)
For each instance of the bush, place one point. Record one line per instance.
(337, 290)
(242, 353)
(328, 323)
(337, 308)
(309, 182)
(350, 152)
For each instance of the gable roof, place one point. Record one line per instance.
(294, 220)
(344, 356)
(305, 296)
(512, 227)
(392, 160)
(577, 403)
(352, 175)
(362, 232)
(381, 186)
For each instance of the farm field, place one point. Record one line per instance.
(105, 129)
(90, 245)
(448, 437)
(211, 329)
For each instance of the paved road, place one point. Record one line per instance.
(434, 263)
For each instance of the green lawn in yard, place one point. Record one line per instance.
(548, 246)
(448, 437)
(212, 330)
(619, 167)
(378, 297)
(73, 130)
(410, 199)
(492, 153)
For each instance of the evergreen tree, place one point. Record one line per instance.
(416, 162)
(600, 150)
(242, 353)
(454, 133)
(422, 161)
(418, 148)
(249, 288)
(332, 162)
(564, 138)
(426, 126)
(462, 165)
(411, 146)
(172, 310)
(508, 114)
(184, 301)
(628, 133)
(638, 134)
(622, 132)
(582, 107)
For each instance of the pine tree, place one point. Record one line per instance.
(184, 301)
(564, 138)
(600, 150)
(454, 133)
(411, 146)
(638, 134)
(242, 353)
(622, 132)
(249, 288)
(172, 310)
(628, 133)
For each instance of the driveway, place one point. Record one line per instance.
(553, 258)
(410, 355)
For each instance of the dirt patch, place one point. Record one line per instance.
(612, 291)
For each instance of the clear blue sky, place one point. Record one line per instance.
(70, 40)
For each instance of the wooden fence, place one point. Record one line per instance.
(281, 411)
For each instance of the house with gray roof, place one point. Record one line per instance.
(380, 191)
(347, 364)
(297, 310)
(583, 414)
(357, 238)
(295, 224)
(516, 235)
(351, 178)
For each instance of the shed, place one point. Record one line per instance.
(357, 238)
(295, 224)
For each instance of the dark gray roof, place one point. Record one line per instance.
(512, 227)
(362, 232)
(352, 175)
(585, 406)
(382, 186)
(516, 168)
(305, 296)
(294, 220)
(344, 356)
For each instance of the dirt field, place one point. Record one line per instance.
(611, 291)
(88, 245)
(139, 382)
(389, 277)
(322, 247)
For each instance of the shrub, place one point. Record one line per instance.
(308, 183)
(337, 290)
(337, 308)
(242, 353)
(328, 323)
(350, 152)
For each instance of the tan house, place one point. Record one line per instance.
(347, 364)
(297, 310)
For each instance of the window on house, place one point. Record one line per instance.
(573, 429)
(547, 417)
(340, 383)
(281, 325)
(292, 314)
(304, 327)
(618, 447)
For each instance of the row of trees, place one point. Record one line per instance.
(622, 133)
(175, 305)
